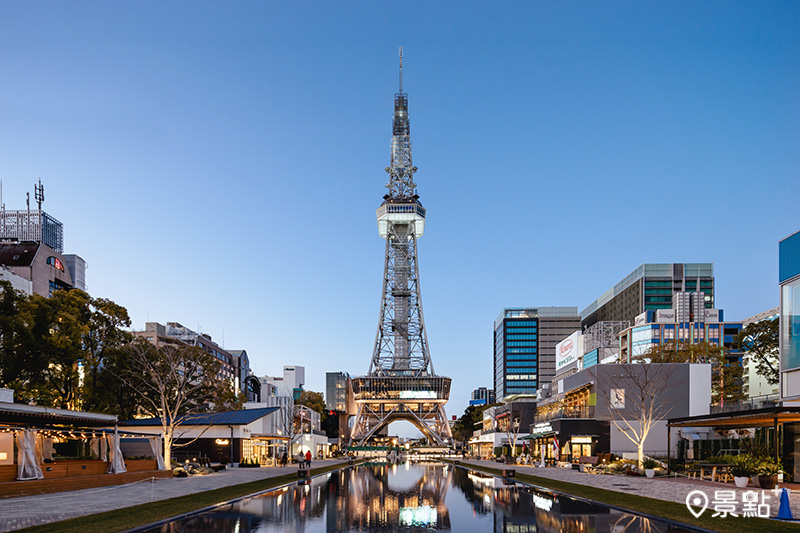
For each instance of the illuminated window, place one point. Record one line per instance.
(55, 262)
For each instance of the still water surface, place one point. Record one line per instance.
(412, 497)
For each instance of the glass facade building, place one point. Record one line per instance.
(524, 347)
(651, 286)
(336, 391)
(638, 340)
(789, 279)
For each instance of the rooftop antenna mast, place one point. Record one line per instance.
(401, 70)
(38, 192)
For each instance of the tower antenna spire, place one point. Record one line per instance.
(401, 70)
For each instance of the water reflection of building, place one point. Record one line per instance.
(380, 496)
(519, 509)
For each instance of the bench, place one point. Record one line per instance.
(587, 463)
(692, 472)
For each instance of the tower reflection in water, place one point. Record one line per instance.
(411, 497)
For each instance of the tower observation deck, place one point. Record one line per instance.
(401, 384)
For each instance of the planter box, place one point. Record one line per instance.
(141, 465)
(741, 481)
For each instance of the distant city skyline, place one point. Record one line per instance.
(220, 166)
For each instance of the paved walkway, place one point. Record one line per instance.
(662, 488)
(27, 511)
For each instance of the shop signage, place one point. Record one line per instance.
(581, 440)
(222, 442)
(567, 351)
(665, 316)
(541, 428)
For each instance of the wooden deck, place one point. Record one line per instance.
(66, 475)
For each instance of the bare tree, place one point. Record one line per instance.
(636, 402)
(512, 432)
(285, 417)
(176, 383)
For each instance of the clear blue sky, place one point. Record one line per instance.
(219, 165)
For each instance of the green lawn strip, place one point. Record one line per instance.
(651, 506)
(138, 515)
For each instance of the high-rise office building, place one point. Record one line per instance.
(651, 286)
(482, 396)
(525, 347)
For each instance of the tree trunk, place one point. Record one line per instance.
(640, 453)
(168, 449)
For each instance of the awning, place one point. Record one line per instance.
(31, 415)
(690, 436)
(740, 419)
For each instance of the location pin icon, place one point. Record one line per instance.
(698, 500)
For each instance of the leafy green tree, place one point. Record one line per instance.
(760, 340)
(104, 342)
(57, 328)
(15, 368)
(312, 400)
(465, 425)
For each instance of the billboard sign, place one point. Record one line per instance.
(567, 351)
(710, 315)
(640, 319)
(665, 316)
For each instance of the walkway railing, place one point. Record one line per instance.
(759, 402)
(567, 412)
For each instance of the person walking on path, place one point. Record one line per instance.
(308, 459)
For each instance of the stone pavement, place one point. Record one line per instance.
(27, 511)
(674, 489)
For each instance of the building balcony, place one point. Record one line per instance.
(567, 412)
(759, 402)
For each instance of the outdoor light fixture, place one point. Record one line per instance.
(3, 456)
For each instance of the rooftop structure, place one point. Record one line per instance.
(26, 225)
(649, 287)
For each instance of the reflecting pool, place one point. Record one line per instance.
(423, 496)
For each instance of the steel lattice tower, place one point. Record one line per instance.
(401, 384)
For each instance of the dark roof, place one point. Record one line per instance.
(234, 418)
(32, 415)
(18, 253)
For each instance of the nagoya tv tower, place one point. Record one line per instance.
(401, 384)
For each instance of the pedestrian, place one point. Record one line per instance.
(308, 459)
